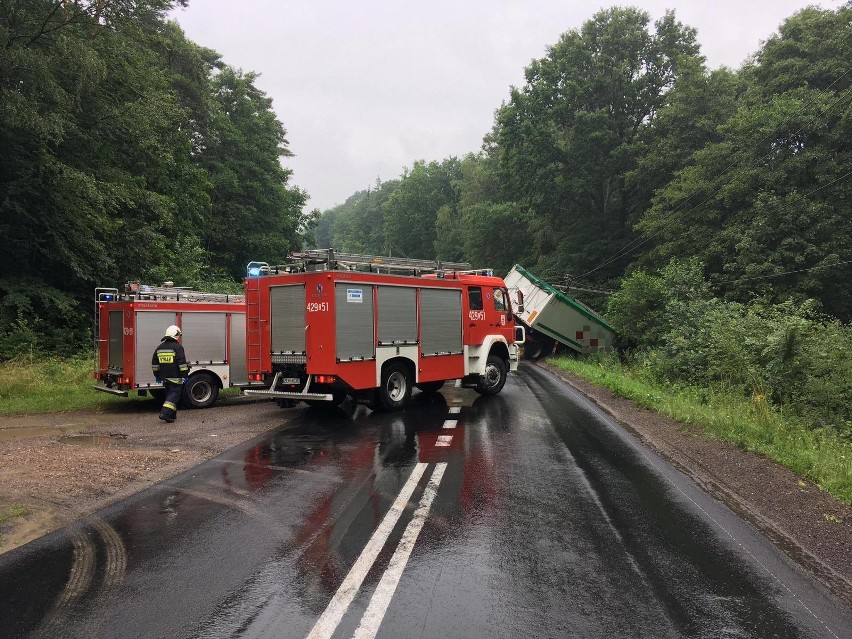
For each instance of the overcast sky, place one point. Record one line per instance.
(366, 88)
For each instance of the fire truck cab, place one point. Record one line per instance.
(325, 327)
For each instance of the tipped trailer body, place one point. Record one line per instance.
(549, 312)
(130, 324)
(322, 330)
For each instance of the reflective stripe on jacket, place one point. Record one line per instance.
(169, 361)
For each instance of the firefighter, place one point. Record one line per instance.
(170, 367)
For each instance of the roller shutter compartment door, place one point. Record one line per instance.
(287, 316)
(353, 304)
(150, 328)
(397, 307)
(440, 321)
(116, 340)
(204, 337)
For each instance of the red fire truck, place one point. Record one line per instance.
(332, 325)
(130, 324)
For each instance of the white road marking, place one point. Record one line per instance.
(330, 618)
(375, 613)
(444, 440)
(451, 423)
(455, 410)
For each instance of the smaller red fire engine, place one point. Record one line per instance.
(130, 324)
(331, 325)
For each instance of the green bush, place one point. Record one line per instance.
(784, 354)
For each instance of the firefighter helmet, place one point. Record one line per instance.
(173, 331)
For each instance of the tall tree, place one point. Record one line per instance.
(568, 137)
(250, 198)
(411, 212)
(765, 206)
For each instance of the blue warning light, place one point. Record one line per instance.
(254, 271)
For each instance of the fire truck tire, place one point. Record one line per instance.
(430, 388)
(495, 376)
(396, 387)
(201, 391)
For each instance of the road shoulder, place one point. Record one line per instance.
(61, 467)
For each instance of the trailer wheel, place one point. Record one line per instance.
(201, 390)
(538, 346)
(430, 388)
(396, 387)
(494, 378)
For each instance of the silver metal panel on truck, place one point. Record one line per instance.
(239, 374)
(287, 316)
(150, 328)
(353, 307)
(204, 337)
(397, 315)
(116, 340)
(440, 321)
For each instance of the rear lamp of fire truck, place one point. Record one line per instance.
(325, 379)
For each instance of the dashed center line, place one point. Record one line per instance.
(451, 423)
(444, 440)
(381, 599)
(337, 607)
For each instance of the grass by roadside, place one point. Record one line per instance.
(7, 514)
(49, 385)
(44, 385)
(820, 455)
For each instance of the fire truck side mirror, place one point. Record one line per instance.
(520, 335)
(519, 304)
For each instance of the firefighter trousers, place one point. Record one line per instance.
(173, 392)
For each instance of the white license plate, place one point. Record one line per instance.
(289, 380)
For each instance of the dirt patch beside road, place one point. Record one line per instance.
(809, 525)
(61, 467)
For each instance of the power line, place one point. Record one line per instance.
(801, 270)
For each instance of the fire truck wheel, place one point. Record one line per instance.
(396, 387)
(495, 376)
(201, 391)
(430, 388)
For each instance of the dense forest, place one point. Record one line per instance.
(126, 152)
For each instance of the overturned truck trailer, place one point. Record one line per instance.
(549, 314)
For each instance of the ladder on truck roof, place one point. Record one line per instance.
(134, 291)
(331, 260)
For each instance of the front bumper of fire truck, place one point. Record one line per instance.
(303, 394)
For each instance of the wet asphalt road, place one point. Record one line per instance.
(528, 514)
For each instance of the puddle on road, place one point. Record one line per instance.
(84, 439)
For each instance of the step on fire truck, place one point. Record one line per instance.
(330, 325)
(130, 324)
